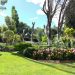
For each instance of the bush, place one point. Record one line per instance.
(38, 47)
(28, 52)
(21, 46)
(2, 46)
(9, 48)
(48, 54)
(36, 52)
(38, 55)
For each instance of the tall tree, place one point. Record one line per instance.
(62, 12)
(49, 8)
(10, 23)
(15, 17)
(23, 26)
(70, 14)
(9, 36)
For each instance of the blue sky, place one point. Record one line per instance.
(28, 11)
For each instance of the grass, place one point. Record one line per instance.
(11, 64)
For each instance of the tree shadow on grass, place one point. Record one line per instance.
(0, 54)
(47, 64)
(17, 54)
(69, 65)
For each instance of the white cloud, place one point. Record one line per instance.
(40, 12)
(33, 18)
(37, 2)
(3, 14)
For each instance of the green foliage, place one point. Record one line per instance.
(9, 36)
(0, 29)
(28, 52)
(4, 28)
(6, 48)
(69, 31)
(44, 38)
(37, 47)
(15, 17)
(9, 48)
(10, 23)
(17, 38)
(39, 32)
(7, 20)
(21, 46)
(70, 14)
(48, 54)
(23, 26)
(2, 46)
(63, 42)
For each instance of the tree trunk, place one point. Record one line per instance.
(49, 31)
(33, 23)
(32, 37)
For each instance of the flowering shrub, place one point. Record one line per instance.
(58, 54)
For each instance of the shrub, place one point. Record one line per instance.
(9, 48)
(48, 54)
(2, 46)
(9, 36)
(28, 52)
(40, 47)
(21, 46)
(37, 54)
(36, 47)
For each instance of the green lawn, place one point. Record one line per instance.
(11, 64)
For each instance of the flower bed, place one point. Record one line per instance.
(58, 54)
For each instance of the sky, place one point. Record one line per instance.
(28, 10)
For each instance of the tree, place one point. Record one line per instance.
(69, 32)
(15, 18)
(62, 12)
(9, 36)
(24, 30)
(17, 38)
(50, 9)
(1, 30)
(23, 26)
(10, 23)
(7, 20)
(39, 32)
(70, 14)
(4, 28)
